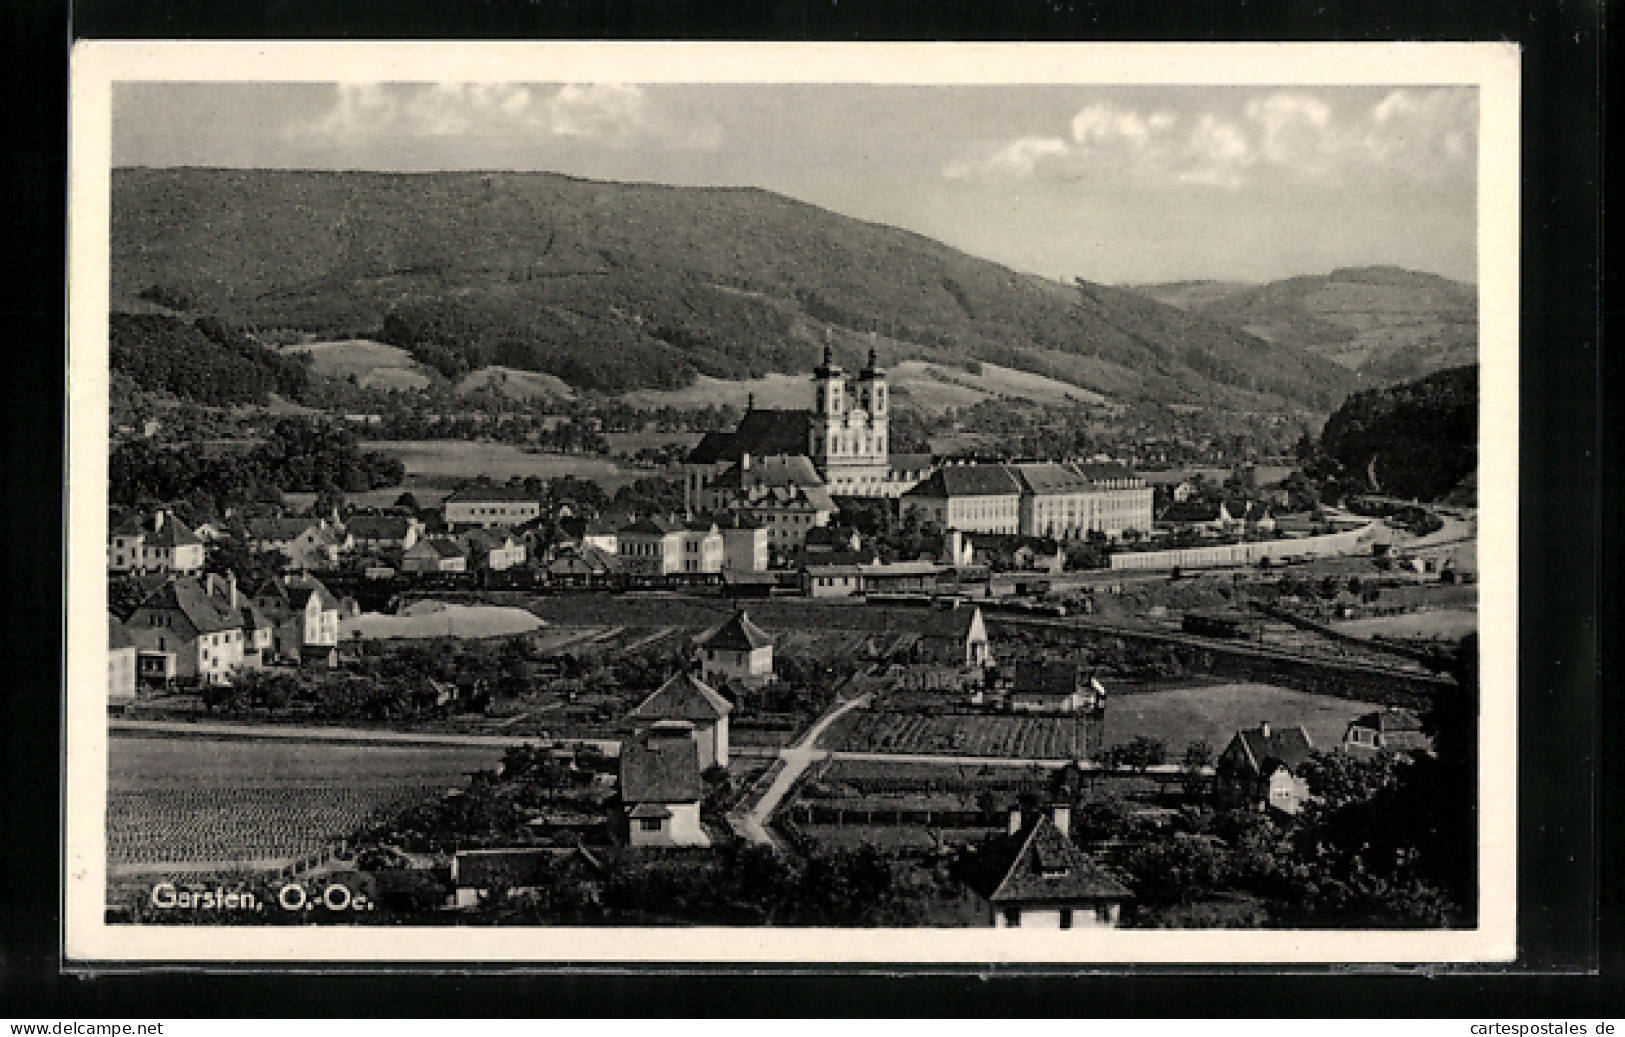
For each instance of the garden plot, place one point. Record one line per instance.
(1036, 738)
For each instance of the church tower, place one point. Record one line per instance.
(848, 432)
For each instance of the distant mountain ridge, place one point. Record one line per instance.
(1388, 323)
(619, 287)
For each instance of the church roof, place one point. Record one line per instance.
(761, 433)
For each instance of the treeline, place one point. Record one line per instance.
(1415, 440)
(298, 456)
(202, 359)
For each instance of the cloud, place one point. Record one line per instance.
(1274, 137)
(1018, 158)
(608, 113)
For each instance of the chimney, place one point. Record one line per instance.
(1264, 729)
(231, 586)
(1062, 816)
(750, 401)
(744, 462)
(1015, 820)
(158, 520)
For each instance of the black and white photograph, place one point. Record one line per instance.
(737, 502)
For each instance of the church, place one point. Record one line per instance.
(845, 436)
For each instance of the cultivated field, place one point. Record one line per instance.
(374, 364)
(1034, 738)
(1213, 714)
(455, 459)
(218, 803)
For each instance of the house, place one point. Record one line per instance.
(738, 650)
(481, 504)
(1196, 516)
(156, 544)
(955, 637)
(303, 616)
(1391, 730)
(184, 632)
(120, 663)
(1054, 687)
(661, 787)
(583, 565)
(383, 532)
(975, 498)
(651, 546)
(494, 548)
(831, 581)
(1263, 768)
(703, 547)
(306, 543)
(1052, 884)
(686, 698)
(918, 577)
(744, 542)
(602, 531)
(435, 555)
(831, 539)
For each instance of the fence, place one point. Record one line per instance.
(1349, 542)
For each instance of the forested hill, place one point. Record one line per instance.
(616, 286)
(1414, 440)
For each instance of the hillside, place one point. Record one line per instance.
(1413, 440)
(620, 287)
(1387, 323)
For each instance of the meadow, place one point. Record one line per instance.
(1214, 713)
(448, 461)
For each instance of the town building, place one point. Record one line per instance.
(737, 651)
(1263, 768)
(120, 663)
(661, 787)
(703, 547)
(1052, 884)
(435, 555)
(845, 436)
(1391, 730)
(972, 498)
(481, 503)
(183, 632)
(303, 616)
(1069, 500)
(383, 532)
(494, 548)
(1055, 686)
(583, 565)
(686, 698)
(651, 546)
(158, 543)
(744, 543)
(305, 543)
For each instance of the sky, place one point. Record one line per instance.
(1113, 184)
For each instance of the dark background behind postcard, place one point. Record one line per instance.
(1561, 726)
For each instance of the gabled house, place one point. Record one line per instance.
(955, 637)
(1263, 768)
(661, 787)
(383, 532)
(303, 616)
(584, 564)
(738, 650)
(1054, 687)
(184, 632)
(435, 555)
(651, 546)
(159, 543)
(1052, 884)
(1391, 730)
(494, 549)
(744, 541)
(696, 704)
(306, 543)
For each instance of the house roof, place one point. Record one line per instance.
(949, 623)
(760, 433)
(1104, 471)
(171, 532)
(738, 634)
(478, 492)
(1400, 728)
(833, 569)
(1051, 477)
(493, 539)
(117, 636)
(379, 527)
(1191, 511)
(207, 613)
(1263, 753)
(277, 529)
(684, 697)
(1050, 868)
(660, 769)
(585, 559)
(967, 480)
(652, 525)
(1054, 677)
(909, 462)
(444, 547)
